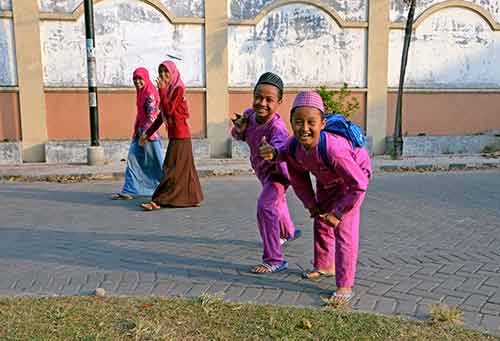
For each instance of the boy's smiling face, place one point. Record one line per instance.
(266, 100)
(306, 124)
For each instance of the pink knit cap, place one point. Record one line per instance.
(308, 99)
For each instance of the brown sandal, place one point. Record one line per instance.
(150, 206)
(316, 274)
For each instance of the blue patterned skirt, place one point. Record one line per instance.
(144, 168)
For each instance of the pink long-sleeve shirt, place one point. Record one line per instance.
(276, 135)
(343, 181)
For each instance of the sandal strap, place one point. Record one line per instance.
(150, 206)
(346, 296)
(269, 267)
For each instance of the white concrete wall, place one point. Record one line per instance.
(5, 5)
(399, 11)
(302, 44)
(129, 34)
(8, 72)
(355, 10)
(181, 8)
(453, 48)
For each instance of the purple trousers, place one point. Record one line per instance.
(274, 221)
(338, 245)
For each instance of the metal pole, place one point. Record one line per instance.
(398, 136)
(91, 71)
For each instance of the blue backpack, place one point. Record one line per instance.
(339, 125)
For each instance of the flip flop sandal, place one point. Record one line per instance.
(121, 196)
(341, 298)
(150, 206)
(270, 268)
(316, 274)
(296, 235)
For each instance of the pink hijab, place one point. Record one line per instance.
(175, 77)
(148, 90)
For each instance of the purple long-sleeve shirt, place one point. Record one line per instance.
(343, 181)
(276, 135)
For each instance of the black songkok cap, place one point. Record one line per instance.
(272, 79)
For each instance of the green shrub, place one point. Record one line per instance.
(340, 102)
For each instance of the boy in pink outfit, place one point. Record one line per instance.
(340, 190)
(262, 125)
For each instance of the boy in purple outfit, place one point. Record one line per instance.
(258, 125)
(340, 190)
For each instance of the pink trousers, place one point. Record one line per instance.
(274, 221)
(338, 245)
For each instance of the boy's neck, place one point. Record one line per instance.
(262, 120)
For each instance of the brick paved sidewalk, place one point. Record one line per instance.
(425, 238)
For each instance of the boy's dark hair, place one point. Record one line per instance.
(271, 79)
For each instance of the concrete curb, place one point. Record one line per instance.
(436, 166)
(72, 173)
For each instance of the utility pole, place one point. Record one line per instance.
(398, 135)
(95, 153)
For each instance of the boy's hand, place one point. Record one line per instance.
(239, 122)
(266, 151)
(314, 211)
(236, 117)
(330, 219)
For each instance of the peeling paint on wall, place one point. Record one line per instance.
(186, 8)
(399, 11)
(352, 10)
(63, 6)
(302, 44)
(181, 8)
(8, 72)
(453, 48)
(128, 35)
(5, 5)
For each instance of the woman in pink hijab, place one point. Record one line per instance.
(179, 186)
(144, 164)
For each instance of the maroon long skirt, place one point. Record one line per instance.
(180, 185)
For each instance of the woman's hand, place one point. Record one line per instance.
(143, 139)
(161, 83)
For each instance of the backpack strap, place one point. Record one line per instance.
(322, 149)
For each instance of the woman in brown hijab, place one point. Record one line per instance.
(180, 186)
